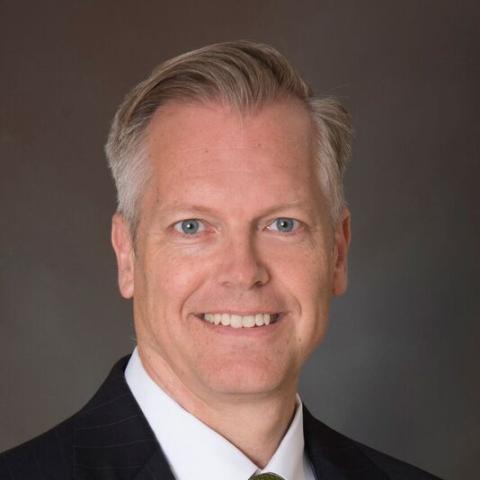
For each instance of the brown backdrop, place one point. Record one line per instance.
(399, 368)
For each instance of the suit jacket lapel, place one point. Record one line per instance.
(335, 457)
(113, 441)
(155, 469)
(112, 438)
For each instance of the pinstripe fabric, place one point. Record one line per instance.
(110, 439)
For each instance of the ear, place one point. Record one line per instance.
(342, 243)
(123, 245)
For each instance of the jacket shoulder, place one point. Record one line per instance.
(46, 456)
(343, 457)
(396, 469)
(51, 455)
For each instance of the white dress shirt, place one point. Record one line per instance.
(195, 451)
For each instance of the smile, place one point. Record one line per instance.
(240, 321)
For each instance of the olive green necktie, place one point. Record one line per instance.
(266, 476)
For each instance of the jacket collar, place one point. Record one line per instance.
(334, 456)
(112, 440)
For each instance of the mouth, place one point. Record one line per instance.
(240, 321)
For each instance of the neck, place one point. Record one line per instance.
(254, 423)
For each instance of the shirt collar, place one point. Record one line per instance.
(194, 450)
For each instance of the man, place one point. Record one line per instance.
(231, 236)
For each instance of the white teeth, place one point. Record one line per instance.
(238, 321)
(235, 321)
(248, 321)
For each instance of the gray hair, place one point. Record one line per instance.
(243, 74)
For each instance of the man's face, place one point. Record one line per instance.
(233, 228)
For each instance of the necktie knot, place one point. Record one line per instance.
(266, 476)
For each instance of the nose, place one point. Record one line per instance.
(241, 265)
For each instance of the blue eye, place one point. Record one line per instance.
(189, 227)
(284, 225)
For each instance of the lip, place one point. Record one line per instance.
(239, 312)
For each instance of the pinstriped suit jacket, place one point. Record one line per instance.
(110, 439)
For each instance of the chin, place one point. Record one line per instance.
(248, 379)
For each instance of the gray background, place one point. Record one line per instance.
(399, 368)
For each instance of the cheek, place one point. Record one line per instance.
(305, 268)
(306, 275)
(170, 279)
(167, 282)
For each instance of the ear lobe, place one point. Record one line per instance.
(123, 245)
(342, 243)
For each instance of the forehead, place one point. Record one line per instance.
(207, 150)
